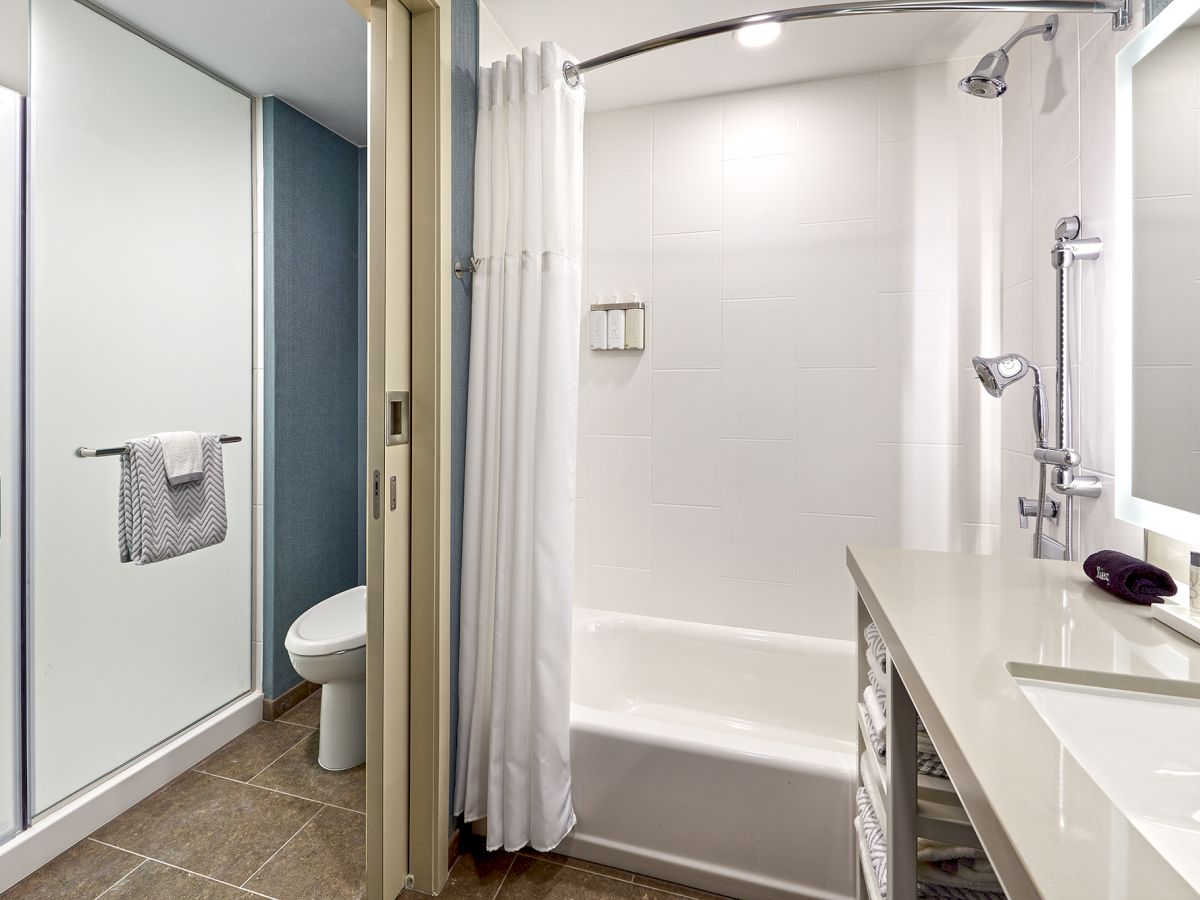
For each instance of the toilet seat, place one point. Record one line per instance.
(334, 625)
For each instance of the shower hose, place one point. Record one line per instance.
(1037, 530)
(1068, 517)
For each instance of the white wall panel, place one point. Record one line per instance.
(10, 472)
(140, 322)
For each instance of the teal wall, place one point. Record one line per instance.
(313, 292)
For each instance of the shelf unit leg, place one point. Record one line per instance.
(902, 789)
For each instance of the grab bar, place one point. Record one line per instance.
(88, 452)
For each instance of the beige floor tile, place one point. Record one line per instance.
(213, 826)
(307, 712)
(327, 860)
(154, 881)
(298, 772)
(251, 752)
(79, 873)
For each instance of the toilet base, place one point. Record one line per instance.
(343, 741)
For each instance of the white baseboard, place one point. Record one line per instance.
(71, 823)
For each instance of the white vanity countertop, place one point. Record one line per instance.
(953, 623)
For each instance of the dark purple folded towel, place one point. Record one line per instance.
(1128, 577)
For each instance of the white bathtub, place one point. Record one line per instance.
(721, 758)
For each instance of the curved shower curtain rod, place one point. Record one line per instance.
(1118, 9)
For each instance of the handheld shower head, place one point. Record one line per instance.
(987, 78)
(996, 373)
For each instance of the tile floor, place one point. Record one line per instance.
(261, 818)
(258, 818)
(528, 875)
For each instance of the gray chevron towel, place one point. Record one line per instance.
(158, 521)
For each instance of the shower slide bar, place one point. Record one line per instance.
(1119, 10)
(88, 452)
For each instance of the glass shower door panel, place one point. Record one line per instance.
(10, 462)
(140, 318)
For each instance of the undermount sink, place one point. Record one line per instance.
(1139, 740)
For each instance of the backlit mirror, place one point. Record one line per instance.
(1158, 79)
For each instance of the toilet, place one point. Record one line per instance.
(328, 646)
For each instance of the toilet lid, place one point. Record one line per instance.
(333, 625)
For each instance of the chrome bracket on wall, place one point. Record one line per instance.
(470, 267)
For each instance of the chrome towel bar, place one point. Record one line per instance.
(88, 452)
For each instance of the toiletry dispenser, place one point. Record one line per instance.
(617, 325)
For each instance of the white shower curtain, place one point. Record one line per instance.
(519, 506)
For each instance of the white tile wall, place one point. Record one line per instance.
(1058, 160)
(811, 259)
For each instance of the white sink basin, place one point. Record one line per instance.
(1142, 748)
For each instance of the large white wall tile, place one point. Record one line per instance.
(918, 216)
(762, 605)
(836, 155)
(835, 294)
(618, 387)
(921, 102)
(687, 301)
(619, 501)
(758, 359)
(919, 496)
(836, 461)
(1017, 200)
(919, 364)
(686, 436)
(687, 166)
(761, 123)
(826, 590)
(686, 546)
(758, 231)
(619, 234)
(1054, 78)
(758, 496)
(620, 589)
(1019, 96)
(982, 540)
(1097, 137)
(618, 141)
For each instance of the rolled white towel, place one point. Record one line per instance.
(935, 851)
(875, 711)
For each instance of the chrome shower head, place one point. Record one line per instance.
(997, 372)
(987, 78)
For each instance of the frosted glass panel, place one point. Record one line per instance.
(140, 322)
(10, 174)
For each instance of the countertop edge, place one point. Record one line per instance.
(1011, 869)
